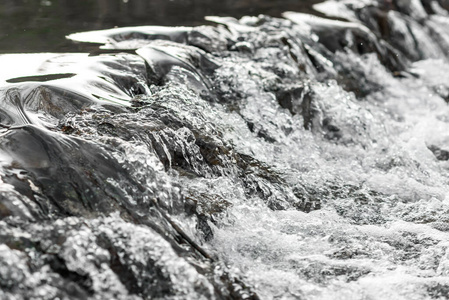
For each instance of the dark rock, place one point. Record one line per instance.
(439, 153)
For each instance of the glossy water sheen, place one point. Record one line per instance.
(274, 158)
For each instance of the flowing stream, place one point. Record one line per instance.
(302, 157)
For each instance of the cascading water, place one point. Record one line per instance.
(301, 157)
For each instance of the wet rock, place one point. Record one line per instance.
(404, 25)
(338, 36)
(207, 208)
(439, 153)
(437, 290)
(336, 44)
(92, 261)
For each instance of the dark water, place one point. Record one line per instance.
(40, 26)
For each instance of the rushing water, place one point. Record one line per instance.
(276, 158)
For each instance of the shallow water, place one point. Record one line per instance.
(274, 158)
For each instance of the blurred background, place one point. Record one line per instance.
(41, 25)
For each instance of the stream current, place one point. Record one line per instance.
(300, 157)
